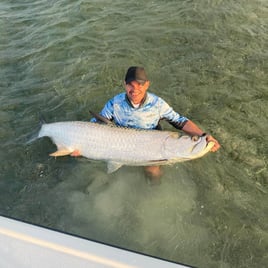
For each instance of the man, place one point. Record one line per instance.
(137, 108)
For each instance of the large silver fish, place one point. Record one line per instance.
(123, 146)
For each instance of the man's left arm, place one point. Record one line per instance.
(184, 124)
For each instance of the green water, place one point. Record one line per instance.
(208, 59)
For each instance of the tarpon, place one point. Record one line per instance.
(123, 146)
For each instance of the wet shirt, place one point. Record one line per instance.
(146, 116)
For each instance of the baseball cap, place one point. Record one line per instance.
(135, 73)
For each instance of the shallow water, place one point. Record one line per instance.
(208, 59)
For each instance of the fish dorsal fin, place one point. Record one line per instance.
(101, 118)
(113, 166)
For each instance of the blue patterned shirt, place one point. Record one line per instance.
(147, 116)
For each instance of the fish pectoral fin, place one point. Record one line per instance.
(76, 153)
(113, 166)
(61, 152)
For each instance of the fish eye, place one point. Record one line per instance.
(195, 138)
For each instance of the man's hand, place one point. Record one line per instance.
(216, 146)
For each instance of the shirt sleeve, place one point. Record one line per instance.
(174, 118)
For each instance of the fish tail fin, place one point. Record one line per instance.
(32, 138)
(34, 135)
(42, 120)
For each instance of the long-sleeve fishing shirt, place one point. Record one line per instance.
(146, 116)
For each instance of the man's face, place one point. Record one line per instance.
(136, 91)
